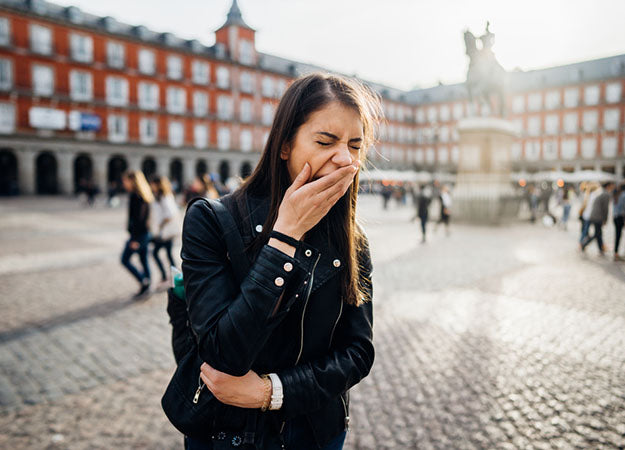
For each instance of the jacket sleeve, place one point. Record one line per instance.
(232, 322)
(307, 386)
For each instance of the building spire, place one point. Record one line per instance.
(235, 17)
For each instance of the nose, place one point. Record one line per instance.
(342, 156)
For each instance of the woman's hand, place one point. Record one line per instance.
(247, 391)
(305, 204)
(134, 245)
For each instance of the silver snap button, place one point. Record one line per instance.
(288, 267)
(336, 263)
(279, 281)
(259, 228)
(308, 252)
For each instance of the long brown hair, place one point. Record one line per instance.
(140, 185)
(305, 96)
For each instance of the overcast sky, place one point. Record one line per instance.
(401, 43)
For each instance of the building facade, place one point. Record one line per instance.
(84, 97)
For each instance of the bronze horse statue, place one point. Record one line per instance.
(485, 77)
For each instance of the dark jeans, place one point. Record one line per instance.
(142, 251)
(159, 244)
(585, 228)
(297, 436)
(618, 228)
(424, 221)
(596, 235)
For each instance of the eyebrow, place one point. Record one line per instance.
(330, 135)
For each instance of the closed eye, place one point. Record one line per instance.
(325, 144)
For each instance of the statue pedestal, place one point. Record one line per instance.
(483, 193)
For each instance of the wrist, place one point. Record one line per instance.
(289, 231)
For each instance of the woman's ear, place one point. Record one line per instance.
(285, 152)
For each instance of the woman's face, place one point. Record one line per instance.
(329, 140)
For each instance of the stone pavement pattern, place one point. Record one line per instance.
(488, 338)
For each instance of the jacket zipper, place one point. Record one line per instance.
(200, 386)
(345, 410)
(312, 278)
(335, 324)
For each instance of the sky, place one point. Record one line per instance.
(405, 44)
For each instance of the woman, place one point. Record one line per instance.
(290, 341)
(164, 221)
(138, 214)
(591, 192)
(618, 216)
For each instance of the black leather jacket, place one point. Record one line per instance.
(318, 345)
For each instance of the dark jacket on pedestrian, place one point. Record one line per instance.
(319, 345)
(423, 203)
(138, 214)
(600, 208)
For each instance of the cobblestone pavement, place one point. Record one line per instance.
(488, 338)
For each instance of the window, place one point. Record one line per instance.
(550, 149)
(432, 114)
(246, 111)
(148, 131)
(246, 140)
(430, 155)
(608, 146)
(200, 72)
(420, 115)
(176, 100)
(280, 87)
(571, 97)
(552, 100)
(267, 87)
(246, 52)
(518, 125)
(5, 31)
(443, 155)
(224, 107)
(533, 126)
(148, 95)
(589, 148)
(590, 121)
(569, 148)
(591, 95)
(200, 104)
(444, 113)
(518, 104)
(43, 80)
(419, 156)
(115, 55)
(116, 91)
(247, 82)
(457, 111)
(223, 78)
(535, 102)
(267, 115)
(6, 74)
(532, 151)
(552, 124)
(40, 39)
(611, 119)
(613, 92)
(147, 63)
(7, 118)
(443, 134)
(515, 151)
(200, 135)
(223, 138)
(118, 128)
(176, 134)
(174, 67)
(571, 123)
(81, 47)
(80, 85)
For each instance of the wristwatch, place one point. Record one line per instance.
(276, 392)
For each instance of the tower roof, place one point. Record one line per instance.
(235, 17)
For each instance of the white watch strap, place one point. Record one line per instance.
(276, 392)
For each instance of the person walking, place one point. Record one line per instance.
(445, 214)
(165, 223)
(424, 198)
(139, 202)
(566, 207)
(591, 192)
(599, 216)
(618, 217)
(287, 344)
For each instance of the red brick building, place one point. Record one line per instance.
(86, 97)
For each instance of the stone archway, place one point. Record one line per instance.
(246, 169)
(175, 174)
(83, 172)
(46, 171)
(8, 173)
(116, 167)
(201, 167)
(224, 171)
(148, 167)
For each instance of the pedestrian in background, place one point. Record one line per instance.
(139, 202)
(590, 193)
(566, 207)
(424, 198)
(164, 221)
(618, 216)
(445, 215)
(599, 215)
